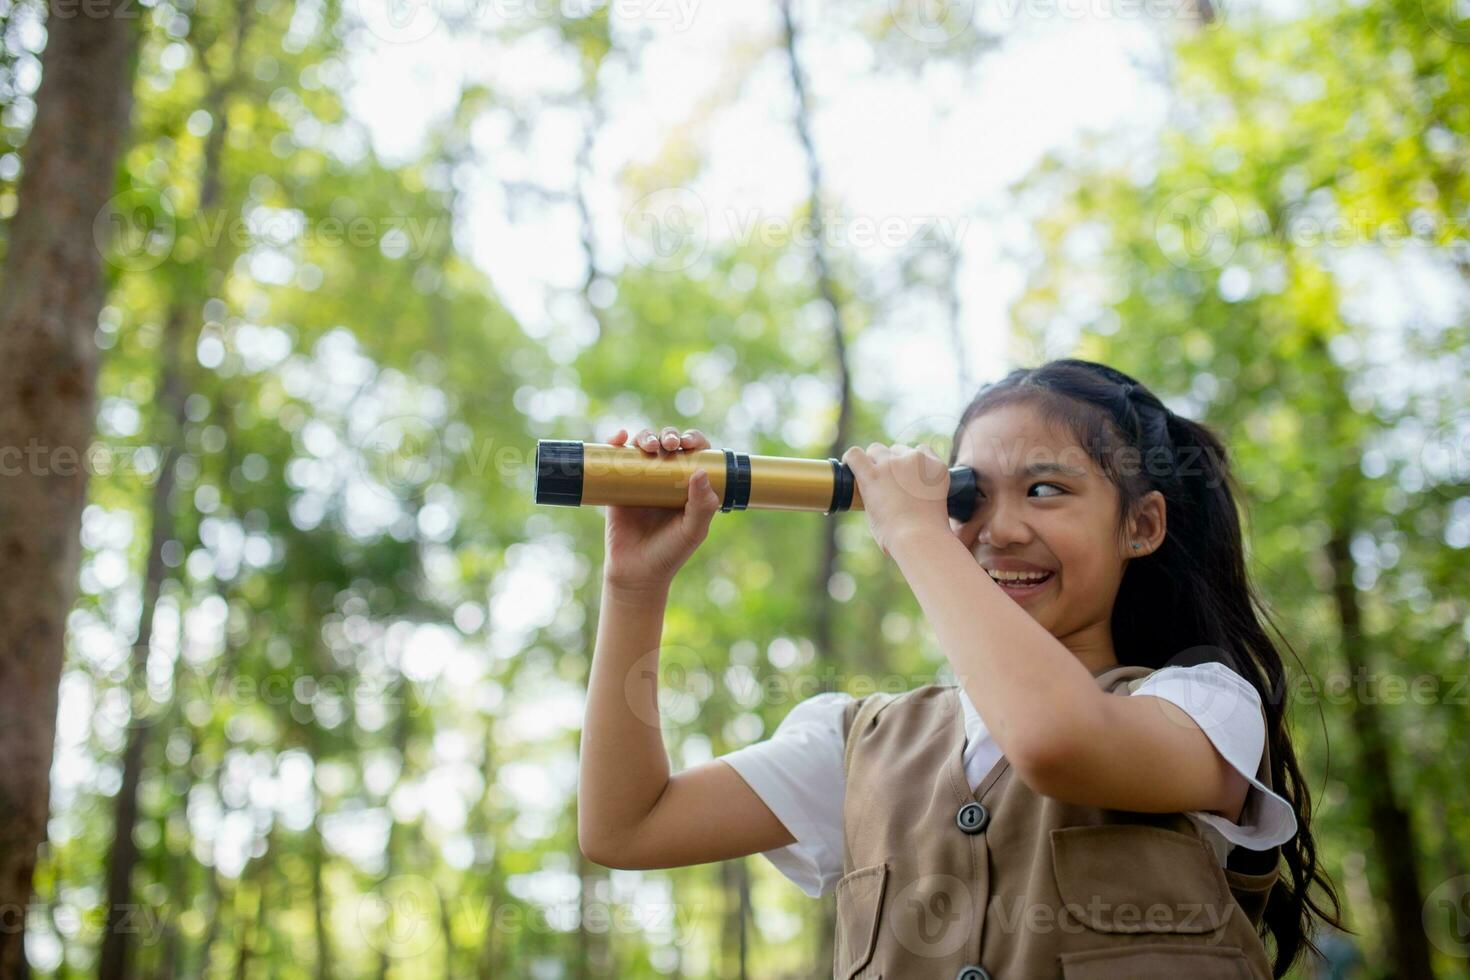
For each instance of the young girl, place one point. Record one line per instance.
(1107, 790)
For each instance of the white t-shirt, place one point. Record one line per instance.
(798, 770)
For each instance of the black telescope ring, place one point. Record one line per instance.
(737, 481)
(559, 469)
(741, 498)
(842, 484)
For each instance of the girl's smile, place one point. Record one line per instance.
(1022, 586)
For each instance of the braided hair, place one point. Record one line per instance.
(1190, 600)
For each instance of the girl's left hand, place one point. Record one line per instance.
(903, 490)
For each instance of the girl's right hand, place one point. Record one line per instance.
(646, 546)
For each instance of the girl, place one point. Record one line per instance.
(1107, 790)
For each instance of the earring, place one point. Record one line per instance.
(1136, 546)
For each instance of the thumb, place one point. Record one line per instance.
(702, 503)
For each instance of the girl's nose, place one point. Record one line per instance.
(1002, 529)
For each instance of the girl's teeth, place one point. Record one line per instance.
(1020, 578)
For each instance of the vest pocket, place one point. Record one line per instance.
(859, 910)
(1158, 961)
(1132, 878)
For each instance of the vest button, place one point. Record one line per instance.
(972, 819)
(972, 973)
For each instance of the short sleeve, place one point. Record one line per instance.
(1227, 709)
(797, 772)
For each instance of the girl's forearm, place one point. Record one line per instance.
(624, 767)
(1032, 692)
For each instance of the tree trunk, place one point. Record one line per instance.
(396, 832)
(52, 293)
(822, 604)
(489, 957)
(252, 925)
(1451, 863)
(742, 886)
(735, 890)
(319, 900)
(114, 959)
(183, 310)
(596, 956)
(1394, 840)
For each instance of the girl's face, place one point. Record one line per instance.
(1044, 506)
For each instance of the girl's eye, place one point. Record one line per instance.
(980, 494)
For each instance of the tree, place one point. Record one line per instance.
(181, 334)
(49, 301)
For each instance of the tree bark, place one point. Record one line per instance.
(113, 961)
(735, 928)
(52, 292)
(1394, 839)
(822, 604)
(1451, 861)
(596, 956)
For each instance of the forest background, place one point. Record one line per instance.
(290, 291)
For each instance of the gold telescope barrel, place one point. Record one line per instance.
(597, 474)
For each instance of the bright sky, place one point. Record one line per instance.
(898, 149)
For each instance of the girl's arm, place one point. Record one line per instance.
(1064, 737)
(631, 813)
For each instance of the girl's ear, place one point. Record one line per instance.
(1147, 527)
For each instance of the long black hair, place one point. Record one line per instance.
(1192, 594)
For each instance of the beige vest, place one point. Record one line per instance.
(1003, 883)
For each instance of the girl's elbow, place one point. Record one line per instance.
(600, 849)
(594, 841)
(1050, 760)
(1042, 765)
(614, 847)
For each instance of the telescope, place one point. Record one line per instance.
(574, 474)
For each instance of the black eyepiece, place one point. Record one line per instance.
(559, 473)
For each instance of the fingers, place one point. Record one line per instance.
(669, 439)
(646, 441)
(878, 451)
